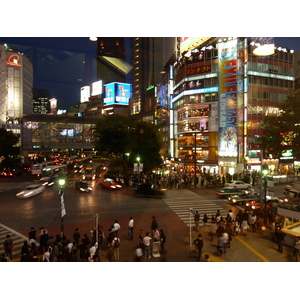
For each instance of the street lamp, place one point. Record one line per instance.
(265, 171)
(62, 183)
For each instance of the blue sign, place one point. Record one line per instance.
(117, 93)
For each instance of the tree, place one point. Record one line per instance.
(7, 142)
(117, 135)
(282, 132)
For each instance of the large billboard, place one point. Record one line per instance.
(117, 93)
(228, 144)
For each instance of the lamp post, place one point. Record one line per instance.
(195, 160)
(265, 171)
(61, 183)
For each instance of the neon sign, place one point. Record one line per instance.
(14, 60)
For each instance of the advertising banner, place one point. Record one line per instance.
(117, 93)
(109, 94)
(228, 99)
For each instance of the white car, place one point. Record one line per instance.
(239, 185)
(31, 190)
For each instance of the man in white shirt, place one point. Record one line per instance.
(93, 250)
(116, 246)
(130, 228)
(146, 242)
(116, 227)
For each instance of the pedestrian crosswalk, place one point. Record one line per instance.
(18, 240)
(182, 202)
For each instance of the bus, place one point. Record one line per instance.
(47, 169)
(37, 168)
(91, 171)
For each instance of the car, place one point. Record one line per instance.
(109, 184)
(48, 180)
(270, 201)
(82, 186)
(31, 190)
(148, 190)
(241, 185)
(11, 172)
(243, 198)
(227, 191)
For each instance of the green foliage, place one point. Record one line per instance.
(276, 127)
(7, 142)
(116, 135)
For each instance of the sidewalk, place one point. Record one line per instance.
(254, 247)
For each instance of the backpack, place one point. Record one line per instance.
(116, 243)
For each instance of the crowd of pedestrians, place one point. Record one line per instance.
(233, 225)
(43, 247)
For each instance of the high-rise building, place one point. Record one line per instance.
(221, 93)
(41, 103)
(16, 77)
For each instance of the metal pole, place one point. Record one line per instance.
(261, 181)
(195, 162)
(61, 192)
(97, 224)
(190, 228)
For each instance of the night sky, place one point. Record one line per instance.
(65, 77)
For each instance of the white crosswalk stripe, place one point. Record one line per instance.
(18, 240)
(181, 203)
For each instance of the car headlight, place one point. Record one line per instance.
(19, 194)
(27, 194)
(90, 188)
(253, 207)
(233, 200)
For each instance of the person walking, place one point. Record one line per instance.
(198, 242)
(76, 237)
(93, 252)
(8, 245)
(32, 234)
(116, 227)
(43, 241)
(146, 241)
(163, 240)
(154, 224)
(130, 228)
(279, 239)
(116, 246)
(197, 220)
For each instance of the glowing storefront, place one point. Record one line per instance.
(222, 92)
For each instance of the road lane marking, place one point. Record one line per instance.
(252, 249)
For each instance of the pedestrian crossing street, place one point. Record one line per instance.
(182, 201)
(18, 240)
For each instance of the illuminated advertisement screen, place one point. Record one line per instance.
(84, 94)
(162, 95)
(123, 93)
(117, 93)
(97, 88)
(228, 99)
(187, 43)
(109, 94)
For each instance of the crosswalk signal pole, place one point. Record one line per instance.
(191, 212)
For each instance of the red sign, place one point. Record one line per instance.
(197, 68)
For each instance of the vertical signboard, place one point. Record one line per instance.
(109, 94)
(10, 92)
(228, 99)
(84, 94)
